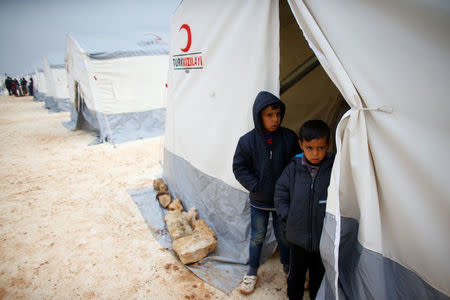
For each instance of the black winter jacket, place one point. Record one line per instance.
(302, 201)
(253, 159)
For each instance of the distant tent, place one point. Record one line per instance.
(39, 85)
(2, 85)
(57, 97)
(117, 85)
(386, 230)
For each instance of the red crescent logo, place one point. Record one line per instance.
(189, 37)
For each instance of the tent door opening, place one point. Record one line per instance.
(76, 98)
(305, 87)
(86, 120)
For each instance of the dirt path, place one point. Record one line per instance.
(69, 230)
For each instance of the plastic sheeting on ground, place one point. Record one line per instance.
(55, 105)
(38, 96)
(117, 128)
(221, 268)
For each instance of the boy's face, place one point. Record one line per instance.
(315, 150)
(271, 119)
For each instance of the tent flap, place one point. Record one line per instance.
(381, 184)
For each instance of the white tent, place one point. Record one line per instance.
(385, 234)
(57, 96)
(3, 90)
(39, 85)
(117, 85)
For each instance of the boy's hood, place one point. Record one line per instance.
(262, 100)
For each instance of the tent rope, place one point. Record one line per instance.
(387, 109)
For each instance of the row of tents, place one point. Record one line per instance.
(377, 71)
(112, 86)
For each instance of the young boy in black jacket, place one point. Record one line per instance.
(300, 199)
(260, 157)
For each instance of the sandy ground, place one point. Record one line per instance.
(68, 228)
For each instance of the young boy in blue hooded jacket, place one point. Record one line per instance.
(260, 157)
(300, 199)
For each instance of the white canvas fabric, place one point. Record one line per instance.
(211, 89)
(242, 34)
(60, 83)
(56, 79)
(57, 95)
(385, 175)
(131, 84)
(78, 71)
(2, 84)
(390, 61)
(118, 84)
(40, 85)
(121, 81)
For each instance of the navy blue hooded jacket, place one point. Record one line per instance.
(302, 201)
(255, 165)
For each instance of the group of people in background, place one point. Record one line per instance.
(19, 88)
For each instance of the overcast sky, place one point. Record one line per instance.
(31, 29)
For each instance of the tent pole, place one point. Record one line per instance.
(299, 72)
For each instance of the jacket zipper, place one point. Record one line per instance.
(310, 211)
(270, 154)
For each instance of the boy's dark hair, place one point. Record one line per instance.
(314, 129)
(273, 105)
